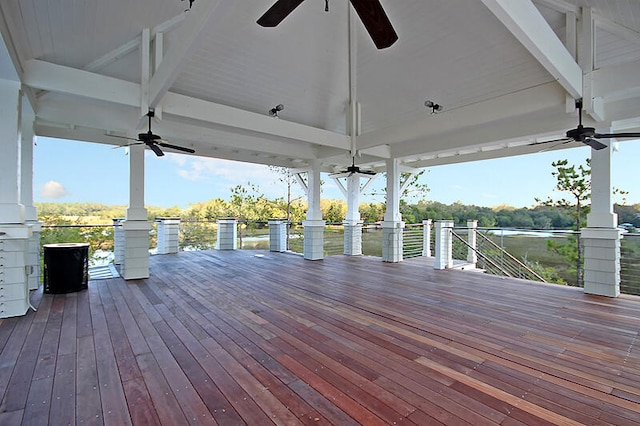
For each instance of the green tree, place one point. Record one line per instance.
(576, 181)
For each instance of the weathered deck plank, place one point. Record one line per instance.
(232, 338)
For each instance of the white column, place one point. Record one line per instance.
(314, 225)
(472, 239)
(426, 237)
(227, 235)
(26, 199)
(14, 234)
(136, 226)
(168, 235)
(278, 235)
(444, 245)
(392, 224)
(352, 223)
(601, 238)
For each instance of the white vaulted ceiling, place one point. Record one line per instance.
(502, 79)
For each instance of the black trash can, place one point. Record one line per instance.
(66, 267)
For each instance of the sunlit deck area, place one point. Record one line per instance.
(245, 337)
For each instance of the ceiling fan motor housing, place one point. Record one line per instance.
(581, 132)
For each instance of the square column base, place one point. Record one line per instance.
(14, 285)
(278, 235)
(33, 255)
(392, 240)
(136, 249)
(227, 234)
(313, 239)
(168, 235)
(601, 261)
(353, 238)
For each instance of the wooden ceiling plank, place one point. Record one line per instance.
(200, 16)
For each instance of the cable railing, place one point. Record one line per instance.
(630, 264)
(493, 245)
(497, 261)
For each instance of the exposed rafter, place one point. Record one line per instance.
(56, 78)
(526, 23)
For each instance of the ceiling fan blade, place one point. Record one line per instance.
(595, 144)
(368, 172)
(127, 145)
(276, 14)
(376, 22)
(176, 147)
(616, 135)
(155, 148)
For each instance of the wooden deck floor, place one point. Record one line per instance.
(233, 338)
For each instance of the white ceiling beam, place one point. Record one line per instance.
(70, 81)
(225, 116)
(526, 23)
(181, 49)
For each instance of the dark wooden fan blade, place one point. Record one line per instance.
(368, 172)
(616, 135)
(155, 148)
(280, 10)
(595, 144)
(376, 22)
(176, 147)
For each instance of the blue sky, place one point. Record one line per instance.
(68, 171)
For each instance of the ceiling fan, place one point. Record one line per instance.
(154, 142)
(353, 169)
(588, 135)
(371, 14)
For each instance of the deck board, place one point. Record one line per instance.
(233, 338)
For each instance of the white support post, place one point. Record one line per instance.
(14, 233)
(278, 235)
(136, 227)
(353, 224)
(26, 199)
(426, 237)
(601, 237)
(392, 224)
(314, 225)
(168, 235)
(444, 245)
(472, 239)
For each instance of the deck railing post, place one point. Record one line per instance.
(168, 235)
(227, 233)
(278, 235)
(444, 245)
(472, 239)
(426, 237)
(118, 242)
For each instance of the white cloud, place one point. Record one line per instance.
(53, 190)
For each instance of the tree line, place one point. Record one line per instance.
(256, 208)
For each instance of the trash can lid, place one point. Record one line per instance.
(66, 245)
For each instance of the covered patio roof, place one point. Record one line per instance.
(506, 73)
